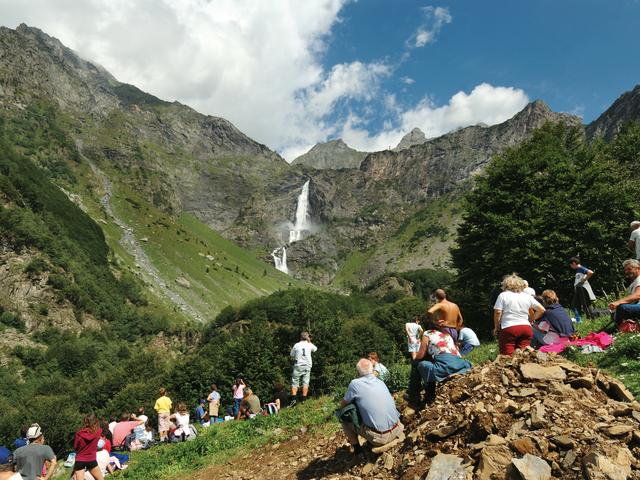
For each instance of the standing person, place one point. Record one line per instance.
(163, 408)
(214, 403)
(446, 314)
(468, 340)
(238, 395)
(86, 446)
(414, 332)
(379, 370)
(31, 458)
(627, 307)
(301, 353)
(511, 317)
(582, 294)
(634, 239)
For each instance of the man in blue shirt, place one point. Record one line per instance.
(380, 419)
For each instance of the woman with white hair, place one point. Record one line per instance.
(513, 314)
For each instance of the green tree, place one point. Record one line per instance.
(539, 204)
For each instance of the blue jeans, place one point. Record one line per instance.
(236, 406)
(626, 311)
(465, 349)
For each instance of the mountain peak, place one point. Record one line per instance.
(625, 109)
(414, 137)
(331, 155)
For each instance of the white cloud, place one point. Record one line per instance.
(258, 64)
(434, 19)
(484, 104)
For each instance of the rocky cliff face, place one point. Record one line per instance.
(625, 109)
(178, 158)
(332, 155)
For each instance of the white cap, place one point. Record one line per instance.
(34, 432)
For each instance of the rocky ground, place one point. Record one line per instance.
(531, 417)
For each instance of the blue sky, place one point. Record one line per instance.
(576, 55)
(292, 73)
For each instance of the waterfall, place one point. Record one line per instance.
(301, 224)
(302, 215)
(280, 262)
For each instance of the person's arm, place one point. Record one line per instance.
(424, 345)
(292, 353)
(497, 316)
(52, 468)
(631, 245)
(277, 402)
(110, 468)
(538, 311)
(587, 276)
(633, 298)
(459, 321)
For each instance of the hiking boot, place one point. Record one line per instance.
(293, 403)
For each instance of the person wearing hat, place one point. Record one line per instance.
(634, 239)
(6, 465)
(30, 459)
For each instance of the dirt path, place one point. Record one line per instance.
(304, 457)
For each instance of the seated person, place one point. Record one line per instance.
(467, 341)
(628, 307)
(281, 397)
(202, 416)
(380, 419)
(379, 370)
(437, 359)
(6, 465)
(249, 406)
(554, 319)
(123, 429)
(31, 459)
(181, 417)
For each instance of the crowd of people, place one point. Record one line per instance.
(437, 343)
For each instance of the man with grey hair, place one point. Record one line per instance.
(634, 239)
(380, 418)
(301, 353)
(628, 307)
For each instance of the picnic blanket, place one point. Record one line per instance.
(600, 340)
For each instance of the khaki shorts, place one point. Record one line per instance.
(300, 373)
(164, 424)
(374, 438)
(213, 408)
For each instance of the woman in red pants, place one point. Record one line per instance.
(513, 314)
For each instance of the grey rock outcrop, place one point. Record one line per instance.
(414, 137)
(625, 109)
(332, 155)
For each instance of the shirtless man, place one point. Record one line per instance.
(446, 314)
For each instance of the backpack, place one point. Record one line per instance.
(628, 326)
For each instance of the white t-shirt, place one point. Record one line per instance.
(414, 331)
(182, 421)
(515, 308)
(635, 236)
(635, 284)
(112, 425)
(530, 291)
(466, 335)
(302, 351)
(143, 417)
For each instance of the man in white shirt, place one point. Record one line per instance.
(301, 353)
(634, 239)
(628, 307)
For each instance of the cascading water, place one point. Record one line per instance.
(302, 215)
(301, 224)
(280, 262)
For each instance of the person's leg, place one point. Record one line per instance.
(295, 381)
(350, 432)
(627, 311)
(415, 385)
(465, 349)
(96, 473)
(524, 334)
(430, 392)
(506, 341)
(306, 378)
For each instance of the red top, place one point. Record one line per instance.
(86, 444)
(107, 445)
